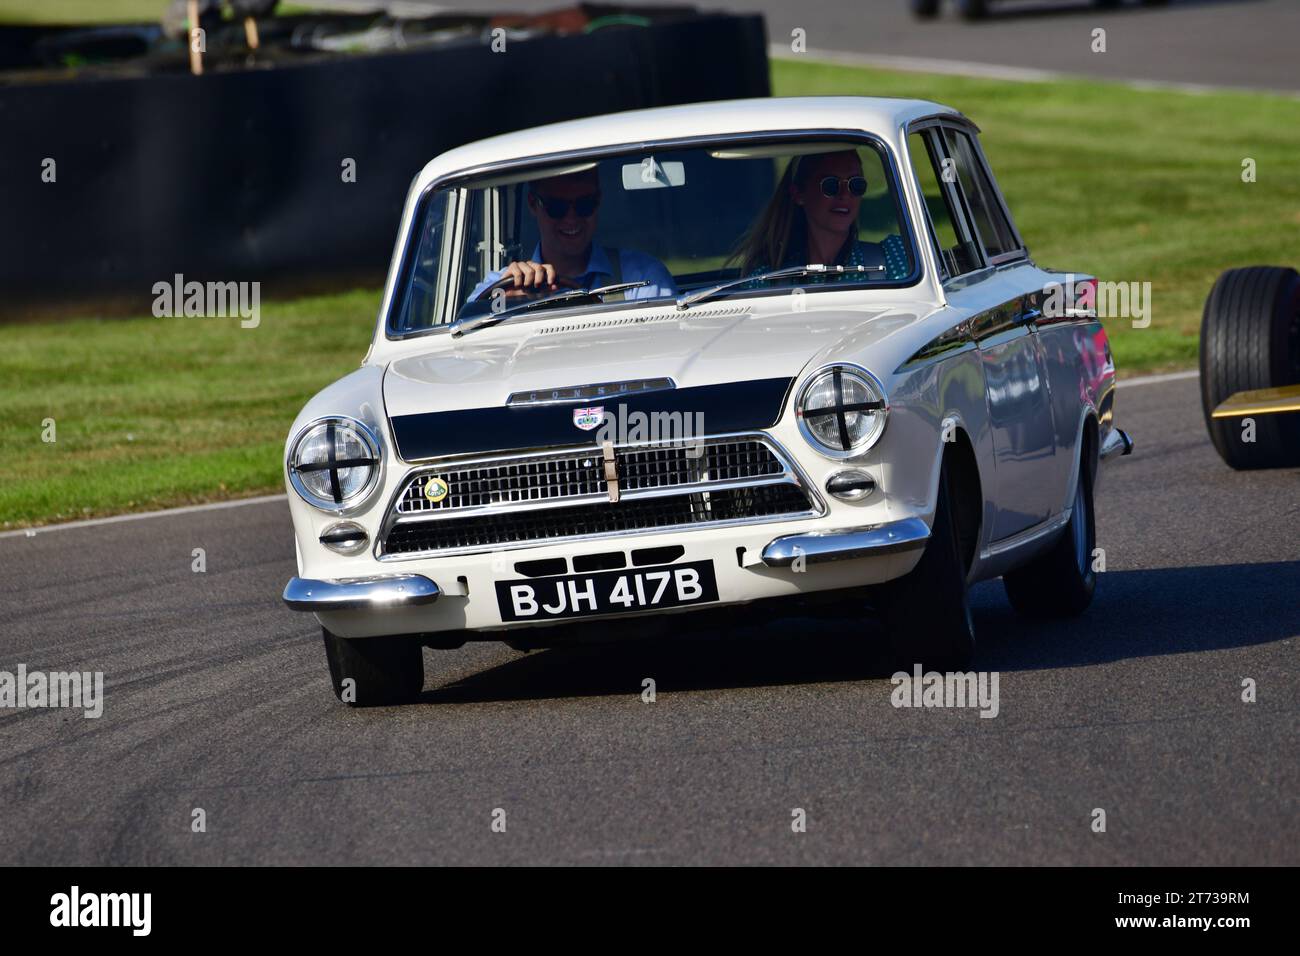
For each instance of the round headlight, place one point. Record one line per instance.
(842, 410)
(334, 463)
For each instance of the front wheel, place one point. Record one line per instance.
(1060, 582)
(927, 611)
(374, 671)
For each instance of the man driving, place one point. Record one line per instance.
(567, 256)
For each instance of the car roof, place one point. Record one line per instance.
(884, 116)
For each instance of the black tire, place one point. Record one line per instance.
(1250, 338)
(974, 9)
(925, 9)
(926, 613)
(383, 670)
(1060, 582)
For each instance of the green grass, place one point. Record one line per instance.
(1126, 184)
(80, 11)
(94, 11)
(151, 413)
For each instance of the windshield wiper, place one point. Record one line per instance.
(470, 323)
(789, 272)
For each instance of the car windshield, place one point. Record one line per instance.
(648, 227)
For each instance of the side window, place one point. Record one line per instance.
(957, 246)
(425, 297)
(990, 222)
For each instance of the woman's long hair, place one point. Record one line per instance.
(781, 226)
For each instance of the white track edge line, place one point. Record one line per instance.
(1157, 379)
(165, 512)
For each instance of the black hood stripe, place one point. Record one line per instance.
(731, 407)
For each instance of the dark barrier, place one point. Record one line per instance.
(238, 175)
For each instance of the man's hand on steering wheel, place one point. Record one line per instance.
(521, 279)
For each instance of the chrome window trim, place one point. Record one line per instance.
(889, 160)
(940, 119)
(965, 226)
(961, 124)
(941, 267)
(1021, 250)
(792, 475)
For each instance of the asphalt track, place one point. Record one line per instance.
(1239, 43)
(217, 698)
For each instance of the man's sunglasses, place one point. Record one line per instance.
(557, 208)
(831, 186)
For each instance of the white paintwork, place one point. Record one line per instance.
(1026, 487)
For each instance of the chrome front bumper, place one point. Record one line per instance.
(906, 535)
(350, 594)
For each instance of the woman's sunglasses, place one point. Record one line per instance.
(831, 186)
(557, 208)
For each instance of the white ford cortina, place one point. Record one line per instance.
(666, 361)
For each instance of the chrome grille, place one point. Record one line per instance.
(509, 482)
(544, 497)
(580, 474)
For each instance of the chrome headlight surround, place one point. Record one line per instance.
(338, 493)
(831, 406)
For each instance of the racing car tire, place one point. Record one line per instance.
(1250, 339)
(974, 9)
(926, 613)
(1061, 582)
(925, 9)
(383, 670)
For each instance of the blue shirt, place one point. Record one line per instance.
(636, 267)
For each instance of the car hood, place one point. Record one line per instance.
(698, 347)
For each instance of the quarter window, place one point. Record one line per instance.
(981, 197)
(936, 175)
